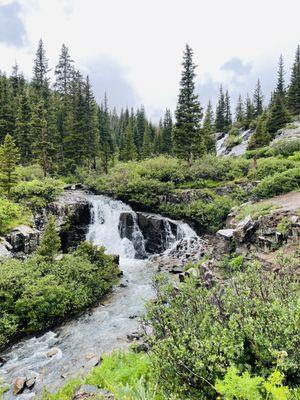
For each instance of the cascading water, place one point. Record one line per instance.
(105, 327)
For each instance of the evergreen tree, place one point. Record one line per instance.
(188, 112)
(91, 127)
(63, 71)
(140, 128)
(7, 108)
(41, 145)
(208, 130)
(166, 133)
(239, 110)
(17, 80)
(228, 116)
(129, 152)
(220, 112)
(147, 149)
(9, 158)
(40, 71)
(278, 115)
(258, 100)
(51, 243)
(260, 137)
(106, 144)
(280, 87)
(249, 113)
(294, 88)
(23, 128)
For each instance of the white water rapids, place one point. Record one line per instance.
(106, 326)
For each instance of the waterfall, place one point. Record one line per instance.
(104, 229)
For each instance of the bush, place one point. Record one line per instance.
(30, 172)
(284, 148)
(255, 210)
(11, 215)
(219, 168)
(270, 166)
(198, 332)
(36, 294)
(279, 183)
(38, 193)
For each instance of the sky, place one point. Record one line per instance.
(132, 49)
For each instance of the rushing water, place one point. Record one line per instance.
(102, 329)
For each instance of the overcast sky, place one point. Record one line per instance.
(132, 49)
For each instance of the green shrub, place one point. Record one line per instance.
(269, 166)
(30, 172)
(198, 332)
(233, 140)
(279, 183)
(257, 153)
(11, 215)
(38, 193)
(255, 210)
(284, 148)
(37, 293)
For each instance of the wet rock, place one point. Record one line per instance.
(30, 379)
(2, 361)
(93, 360)
(23, 239)
(141, 348)
(52, 352)
(128, 228)
(123, 285)
(19, 385)
(134, 336)
(92, 392)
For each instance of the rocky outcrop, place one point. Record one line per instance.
(289, 133)
(85, 392)
(237, 150)
(23, 240)
(128, 228)
(72, 213)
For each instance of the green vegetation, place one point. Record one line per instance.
(279, 183)
(50, 243)
(39, 292)
(255, 210)
(11, 215)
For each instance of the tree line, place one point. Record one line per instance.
(60, 125)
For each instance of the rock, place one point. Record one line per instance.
(134, 336)
(5, 248)
(2, 361)
(93, 360)
(123, 285)
(19, 385)
(128, 228)
(244, 229)
(141, 348)
(52, 352)
(92, 392)
(23, 239)
(225, 243)
(30, 379)
(177, 269)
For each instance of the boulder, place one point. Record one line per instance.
(23, 239)
(52, 352)
(5, 248)
(30, 379)
(92, 392)
(244, 229)
(225, 242)
(19, 385)
(128, 228)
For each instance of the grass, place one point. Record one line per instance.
(256, 210)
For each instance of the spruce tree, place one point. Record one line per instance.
(7, 108)
(258, 100)
(9, 158)
(129, 152)
(208, 130)
(261, 136)
(280, 87)
(147, 149)
(249, 112)
(278, 114)
(188, 112)
(91, 127)
(294, 87)
(105, 139)
(23, 128)
(50, 243)
(220, 112)
(40, 71)
(228, 116)
(239, 111)
(17, 80)
(63, 71)
(166, 133)
(140, 128)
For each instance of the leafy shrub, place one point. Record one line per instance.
(30, 172)
(11, 215)
(219, 168)
(284, 148)
(198, 332)
(255, 210)
(38, 193)
(270, 166)
(36, 293)
(247, 387)
(279, 183)
(257, 153)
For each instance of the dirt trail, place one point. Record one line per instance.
(286, 202)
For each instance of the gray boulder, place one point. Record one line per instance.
(23, 239)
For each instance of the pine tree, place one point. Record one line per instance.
(63, 71)
(17, 80)
(105, 139)
(208, 130)
(91, 127)
(9, 158)
(129, 152)
(23, 128)
(140, 128)
(278, 115)
(220, 112)
(167, 133)
(7, 108)
(258, 100)
(51, 243)
(147, 149)
(41, 145)
(239, 110)
(40, 71)
(188, 112)
(294, 88)
(280, 87)
(249, 113)
(260, 137)
(228, 116)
